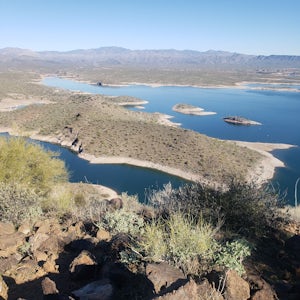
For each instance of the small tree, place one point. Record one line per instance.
(29, 165)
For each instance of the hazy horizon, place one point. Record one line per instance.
(153, 49)
(255, 28)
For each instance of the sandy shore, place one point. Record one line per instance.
(237, 85)
(133, 103)
(139, 163)
(9, 104)
(164, 119)
(266, 168)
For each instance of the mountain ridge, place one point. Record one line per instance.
(152, 57)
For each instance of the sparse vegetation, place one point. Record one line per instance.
(245, 208)
(60, 200)
(106, 129)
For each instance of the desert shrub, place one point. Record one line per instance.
(122, 221)
(130, 202)
(30, 165)
(24, 249)
(160, 199)
(79, 200)
(180, 241)
(153, 242)
(18, 204)
(232, 254)
(91, 212)
(59, 200)
(292, 212)
(245, 208)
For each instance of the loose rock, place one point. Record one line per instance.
(9, 243)
(3, 289)
(49, 287)
(6, 228)
(186, 292)
(101, 289)
(103, 235)
(83, 266)
(163, 275)
(236, 287)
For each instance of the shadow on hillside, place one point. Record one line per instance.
(276, 259)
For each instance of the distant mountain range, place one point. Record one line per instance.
(109, 56)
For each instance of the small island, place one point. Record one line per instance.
(188, 109)
(128, 101)
(236, 120)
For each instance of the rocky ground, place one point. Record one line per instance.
(54, 259)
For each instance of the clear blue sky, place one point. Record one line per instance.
(245, 26)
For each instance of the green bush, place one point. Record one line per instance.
(122, 221)
(30, 165)
(232, 254)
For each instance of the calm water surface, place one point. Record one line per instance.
(278, 111)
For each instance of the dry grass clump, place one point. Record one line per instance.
(180, 241)
(59, 200)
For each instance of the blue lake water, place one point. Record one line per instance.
(278, 111)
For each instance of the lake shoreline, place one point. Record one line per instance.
(259, 174)
(237, 85)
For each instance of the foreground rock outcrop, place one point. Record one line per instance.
(54, 260)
